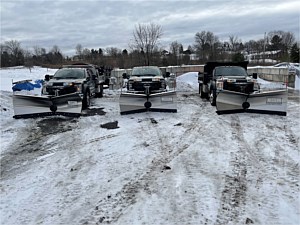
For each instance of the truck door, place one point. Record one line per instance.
(90, 81)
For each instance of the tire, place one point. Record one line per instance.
(100, 94)
(213, 97)
(200, 88)
(86, 102)
(202, 93)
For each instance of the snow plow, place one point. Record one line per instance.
(29, 106)
(231, 89)
(271, 102)
(147, 90)
(66, 92)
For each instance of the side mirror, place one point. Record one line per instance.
(48, 77)
(124, 76)
(254, 75)
(94, 77)
(167, 74)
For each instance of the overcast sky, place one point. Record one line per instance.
(102, 23)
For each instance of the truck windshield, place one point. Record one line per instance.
(146, 71)
(230, 71)
(68, 73)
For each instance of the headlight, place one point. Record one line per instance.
(77, 86)
(219, 85)
(49, 84)
(137, 79)
(155, 79)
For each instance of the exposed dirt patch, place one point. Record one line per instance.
(31, 146)
(93, 112)
(55, 125)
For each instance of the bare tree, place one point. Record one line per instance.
(55, 49)
(145, 40)
(28, 60)
(14, 50)
(13, 47)
(79, 49)
(175, 50)
(37, 51)
(112, 51)
(288, 39)
(234, 42)
(205, 44)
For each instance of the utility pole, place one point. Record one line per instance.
(264, 55)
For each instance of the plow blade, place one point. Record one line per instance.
(271, 102)
(29, 106)
(159, 102)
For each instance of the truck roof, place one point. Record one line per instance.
(210, 66)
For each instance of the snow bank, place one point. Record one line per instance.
(13, 74)
(187, 82)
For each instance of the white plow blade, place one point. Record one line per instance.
(27, 106)
(271, 102)
(160, 102)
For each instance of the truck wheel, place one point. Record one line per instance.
(202, 93)
(100, 94)
(213, 97)
(86, 102)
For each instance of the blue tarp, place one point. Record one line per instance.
(27, 86)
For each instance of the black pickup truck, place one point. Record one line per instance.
(83, 79)
(230, 76)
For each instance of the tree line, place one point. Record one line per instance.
(145, 49)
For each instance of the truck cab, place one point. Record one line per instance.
(146, 78)
(230, 76)
(79, 78)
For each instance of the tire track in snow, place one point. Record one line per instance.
(234, 192)
(30, 144)
(110, 209)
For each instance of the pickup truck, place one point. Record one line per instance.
(83, 79)
(146, 78)
(230, 76)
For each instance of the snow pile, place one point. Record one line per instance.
(14, 74)
(187, 82)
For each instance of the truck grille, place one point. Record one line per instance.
(58, 84)
(246, 88)
(242, 81)
(139, 86)
(61, 91)
(147, 79)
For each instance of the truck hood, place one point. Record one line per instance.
(66, 81)
(233, 77)
(148, 78)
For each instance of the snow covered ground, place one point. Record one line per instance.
(189, 167)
